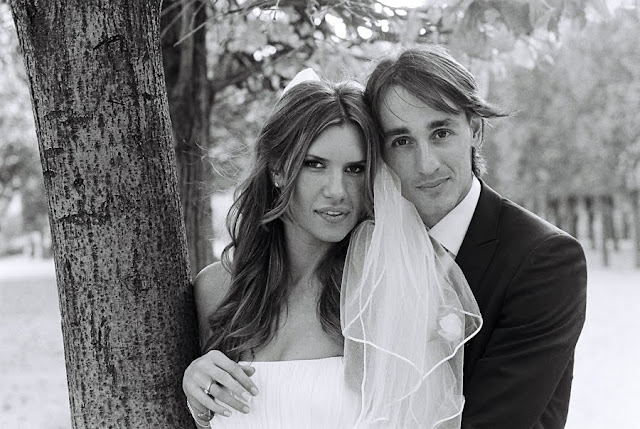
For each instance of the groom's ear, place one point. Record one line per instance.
(477, 130)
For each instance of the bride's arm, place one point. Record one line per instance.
(214, 371)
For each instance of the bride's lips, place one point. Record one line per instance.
(333, 214)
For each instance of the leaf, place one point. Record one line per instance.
(411, 27)
(601, 7)
(249, 38)
(522, 55)
(515, 15)
(540, 13)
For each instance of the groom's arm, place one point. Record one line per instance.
(523, 379)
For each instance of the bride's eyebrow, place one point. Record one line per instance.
(310, 156)
(364, 161)
(315, 157)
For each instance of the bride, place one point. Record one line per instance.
(308, 324)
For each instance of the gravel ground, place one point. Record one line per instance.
(33, 390)
(33, 386)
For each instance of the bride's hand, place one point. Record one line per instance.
(224, 379)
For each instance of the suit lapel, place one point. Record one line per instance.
(480, 242)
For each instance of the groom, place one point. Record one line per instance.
(528, 277)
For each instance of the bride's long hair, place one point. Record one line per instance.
(257, 256)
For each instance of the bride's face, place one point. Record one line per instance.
(328, 199)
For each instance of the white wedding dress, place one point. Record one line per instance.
(297, 394)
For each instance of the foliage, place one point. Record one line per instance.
(576, 130)
(256, 47)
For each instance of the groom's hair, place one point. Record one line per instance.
(432, 75)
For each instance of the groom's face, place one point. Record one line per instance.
(429, 150)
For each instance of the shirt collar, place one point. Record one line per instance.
(452, 228)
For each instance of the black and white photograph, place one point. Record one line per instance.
(319, 214)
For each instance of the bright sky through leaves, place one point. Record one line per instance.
(406, 3)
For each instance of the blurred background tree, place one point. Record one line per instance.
(229, 59)
(571, 152)
(226, 62)
(20, 172)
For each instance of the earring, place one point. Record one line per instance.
(276, 184)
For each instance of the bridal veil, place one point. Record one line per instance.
(406, 312)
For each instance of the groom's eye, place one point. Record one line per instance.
(401, 141)
(442, 134)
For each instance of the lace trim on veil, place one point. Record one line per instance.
(406, 312)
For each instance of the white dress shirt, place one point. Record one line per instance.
(452, 228)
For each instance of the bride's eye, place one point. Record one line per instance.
(355, 168)
(312, 163)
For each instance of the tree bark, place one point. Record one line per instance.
(190, 100)
(104, 134)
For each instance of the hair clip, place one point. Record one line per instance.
(303, 76)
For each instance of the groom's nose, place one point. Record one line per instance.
(427, 161)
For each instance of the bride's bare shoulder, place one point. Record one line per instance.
(212, 284)
(209, 289)
(213, 278)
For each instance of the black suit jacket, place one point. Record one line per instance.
(529, 279)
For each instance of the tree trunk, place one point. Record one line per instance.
(572, 227)
(582, 212)
(564, 214)
(104, 134)
(592, 210)
(190, 101)
(611, 227)
(601, 229)
(635, 216)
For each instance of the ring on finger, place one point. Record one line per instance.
(205, 416)
(207, 391)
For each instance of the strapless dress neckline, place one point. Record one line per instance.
(291, 361)
(304, 393)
